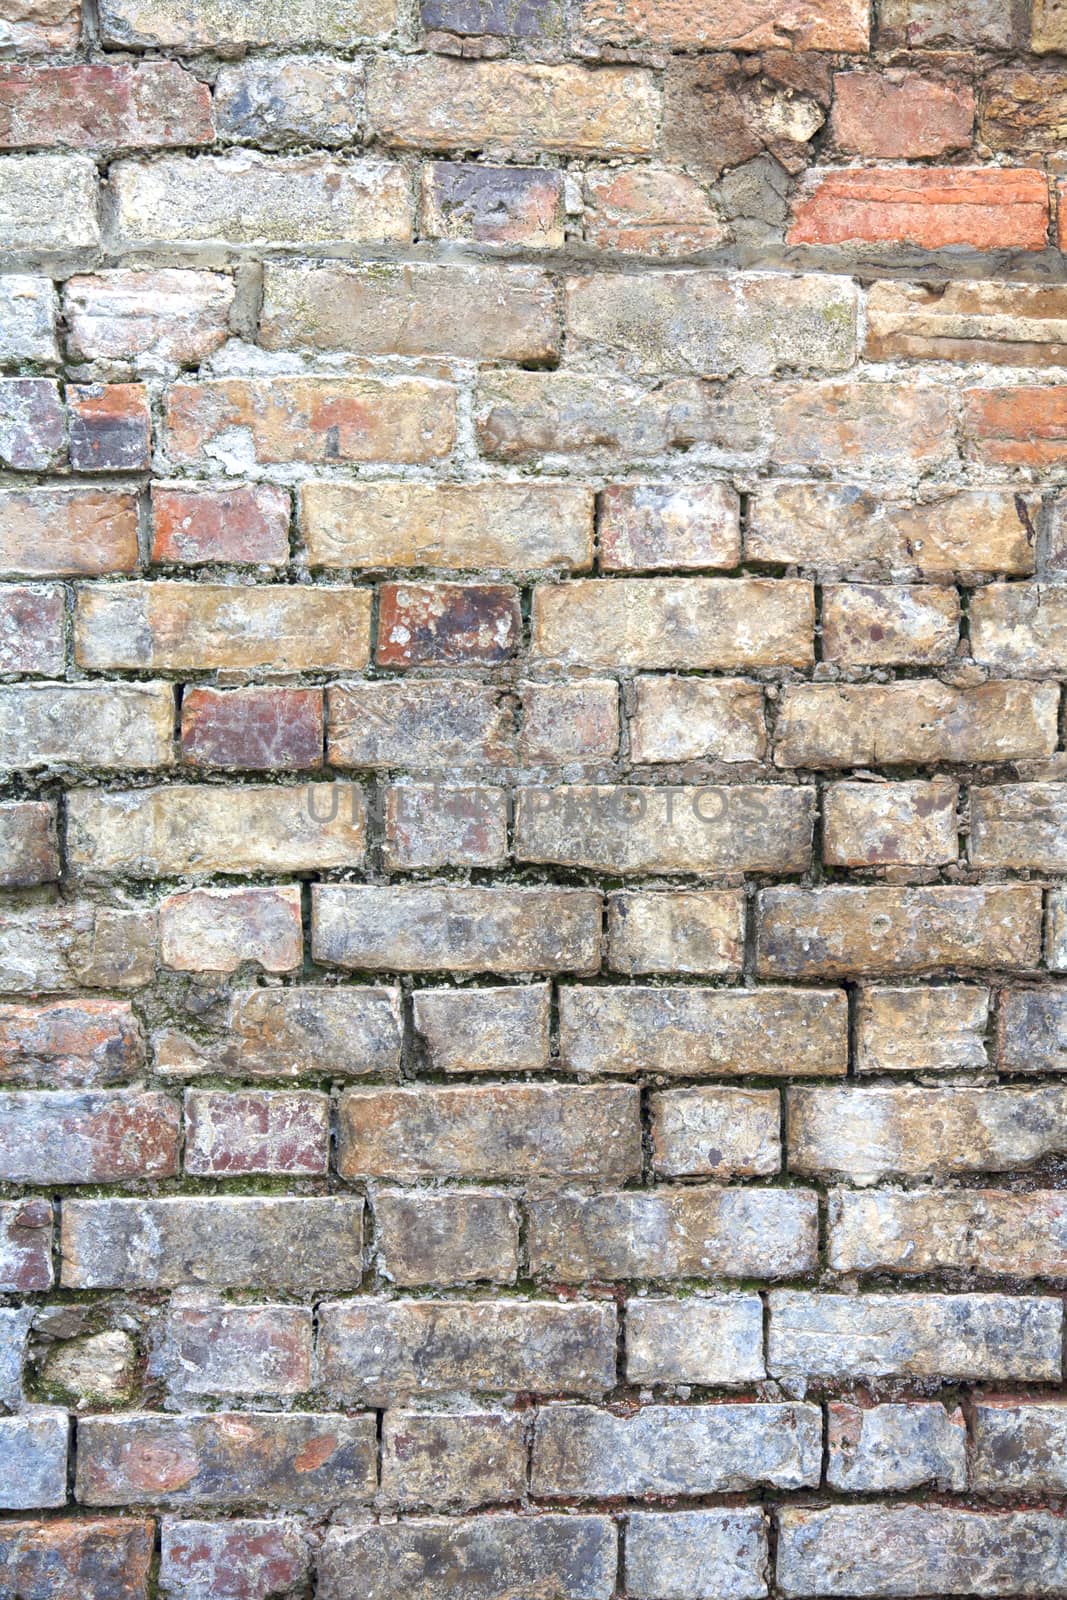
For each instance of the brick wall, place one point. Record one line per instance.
(533, 799)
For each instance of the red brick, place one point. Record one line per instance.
(931, 207)
(49, 532)
(25, 1246)
(169, 315)
(69, 1042)
(215, 930)
(106, 1558)
(96, 106)
(447, 624)
(33, 428)
(257, 729)
(260, 1130)
(642, 211)
(31, 629)
(1016, 427)
(900, 116)
(29, 851)
(243, 1559)
(110, 427)
(493, 205)
(106, 1136)
(194, 524)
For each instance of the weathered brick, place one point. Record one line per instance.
(1021, 109)
(67, 532)
(292, 1033)
(649, 212)
(534, 19)
(870, 625)
(675, 1450)
(880, 1448)
(688, 1032)
(714, 1339)
(944, 22)
(29, 849)
(674, 1233)
(27, 318)
(421, 723)
(993, 1231)
(1032, 1030)
(176, 626)
(1020, 1448)
(570, 1556)
(1021, 628)
(851, 425)
(15, 1324)
(25, 1246)
(430, 825)
(229, 23)
(645, 526)
(81, 945)
(216, 930)
(36, 26)
(467, 202)
(241, 422)
(1003, 324)
(193, 525)
(840, 25)
(34, 1447)
(97, 1370)
(455, 929)
(225, 1351)
(447, 1238)
(678, 1554)
(676, 931)
(490, 1131)
(1048, 31)
(33, 427)
(716, 1133)
(261, 1242)
(900, 115)
(87, 1558)
(984, 208)
(1020, 825)
(110, 427)
(964, 1336)
(32, 629)
(251, 1559)
(290, 100)
(721, 112)
(1015, 427)
(433, 103)
(711, 623)
(447, 624)
(263, 730)
(914, 1549)
(99, 106)
(262, 1131)
(483, 313)
(48, 203)
(168, 315)
(379, 1351)
(696, 719)
(564, 722)
(937, 1029)
(890, 824)
(284, 1462)
(101, 1136)
(484, 1030)
(453, 1460)
(103, 724)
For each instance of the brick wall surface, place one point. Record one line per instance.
(533, 799)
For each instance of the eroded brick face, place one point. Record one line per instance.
(533, 799)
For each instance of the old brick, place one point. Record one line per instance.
(176, 626)
(260, 1242)
(292, 1033)
(25, 1246)
(489, 1131)
(36, 26)
(1021, 628)
(675, 1450)
(564, 722)
(900, 116)
(101, 1136)
(456, 929)
(291, 100)
(649, 212)
(284, 1462)
(98, 1370)
(930, 207)
(110, 427)
(710, 623)
(97, 106)
(721, 113)
(695, 719)
(193, 525)
(49, 203)
(1020, 1448)
(106, 724)
(453, 1459)
(29, 850)
(471, 203)
(840, 25)
(430, 825)
(918, 23)
(1003, 324)
(871, 625)
(447, 624)
(421, 723)
(233, 1351)
(34, 1447)
(647, 526)
(1048, 27)
(224, 23)
(241, 422)
(853, 425)
(876, 1449)
(716, 1133)
(1021, 109)
(215, 930)
(32, 628)
(688, 1032)
(263, 730)
(169, 315)
(484, 1030)
(1020, 825)
(88, 1558)
(242, 1559)
(1015, 427)
(15, 1322)
(75, 946)
(1032, 1030)
(27, 318)
(964, 1336)
(33, 427)
(716, 1339)
(67, 532)
(993, 1231)
(682, 1232)
(378, 1351)
(677, 1555)
(938, 1029)
(890, 824)
(447, 1238)
(262, 1131)
(676, 931)
(534, 19)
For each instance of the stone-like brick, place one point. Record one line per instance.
(470, 203)
(98, 106)
(890, 824)
(422, 723)
(676, 931)
(81, 945)
(433, 103)
(481, 313)
(964, 1336)
(646, 526)
(676, 1555)
(638, 828)
(840, 25)
(522, 527)
(854, 425)
(1002, 324)
(267, 1131)
(525, 1557)
(697, 719)
(1032, 1030)
(1015, 427)
(1021, 109)
(233, 1351)
(490, 1131)
(67, 532)
(290, 100)
(458, 1237)
(721, 112)
(193, 525)
(103, 724)
(32, 629)
(564, 722)
(709, 623)
(34, 1447)
(649, 212)
(102, 1136)
(29, 850)
(261, 1242)
(87, 1558)
(714, 1339)
(675, 1450)
(25, 1246)
(687, 1032)
(261, 730)
(168, 315)
(98, 1370)
(33, 427)
(835, 932)
(534, 19)
(206, 1560)
(995, 1231)
(27, 319)
(881, 1448)
(453, 1460)
(14, 1333)
(176, 626)
(447, 929)
(938, 1029)
(1021, 628)
(872, 625)
(110, 427)
(984, 208)
(48, 204)
(293, 1033)
(1020, 1448)
(37, 26)
(215, 930)
(716, 1133)
(900, 115)
(284, 1462)
(234, 23)
(241, 422)
(484, 1030)
(72, 1043)
(447, 624)
(711, 326)
(674, 1233)
(915, 1550)
(945, 22)
(1048, 28)
(377, 1351)
(1020, 825)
